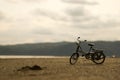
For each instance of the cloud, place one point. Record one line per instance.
(42, 31)
(2, 16)
(75, 12)
(30, 1)
(69, 14)
(11, 1)
(56, 20)
(110, 23)
(49, 14)
(95, 24)
(78, 14)
(40, 12)
(34, 1)
(79, 17)
(87, 2)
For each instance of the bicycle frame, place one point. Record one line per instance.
(80, 50)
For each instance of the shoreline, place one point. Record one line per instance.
(29, 56)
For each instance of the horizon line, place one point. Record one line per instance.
(57, 42)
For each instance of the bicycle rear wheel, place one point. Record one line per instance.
(74, 58)
(98, 58)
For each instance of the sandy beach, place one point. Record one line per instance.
(55, 68)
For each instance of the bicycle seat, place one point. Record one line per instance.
(91, 44)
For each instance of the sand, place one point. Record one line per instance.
(58, 69)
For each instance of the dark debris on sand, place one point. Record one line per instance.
(25, 68)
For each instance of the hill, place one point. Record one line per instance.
(58, 49)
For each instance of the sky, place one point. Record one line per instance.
(34, 21)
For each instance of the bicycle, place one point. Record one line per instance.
(96, 56)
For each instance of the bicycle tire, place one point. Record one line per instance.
(96, 57)
(74, 58)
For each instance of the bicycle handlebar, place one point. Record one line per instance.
(78, 39)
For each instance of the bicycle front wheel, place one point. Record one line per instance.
(74, 58)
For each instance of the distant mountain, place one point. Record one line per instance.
(58, 49)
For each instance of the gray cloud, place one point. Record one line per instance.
(96, 24)
(75, 12)
(49, 14)
(79, 15)
(110, 23)
(46, 13)
(80, 2)
(2, 16)
(42, 31)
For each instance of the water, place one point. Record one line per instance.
(22, 56)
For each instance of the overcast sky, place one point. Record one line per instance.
(32, 21)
